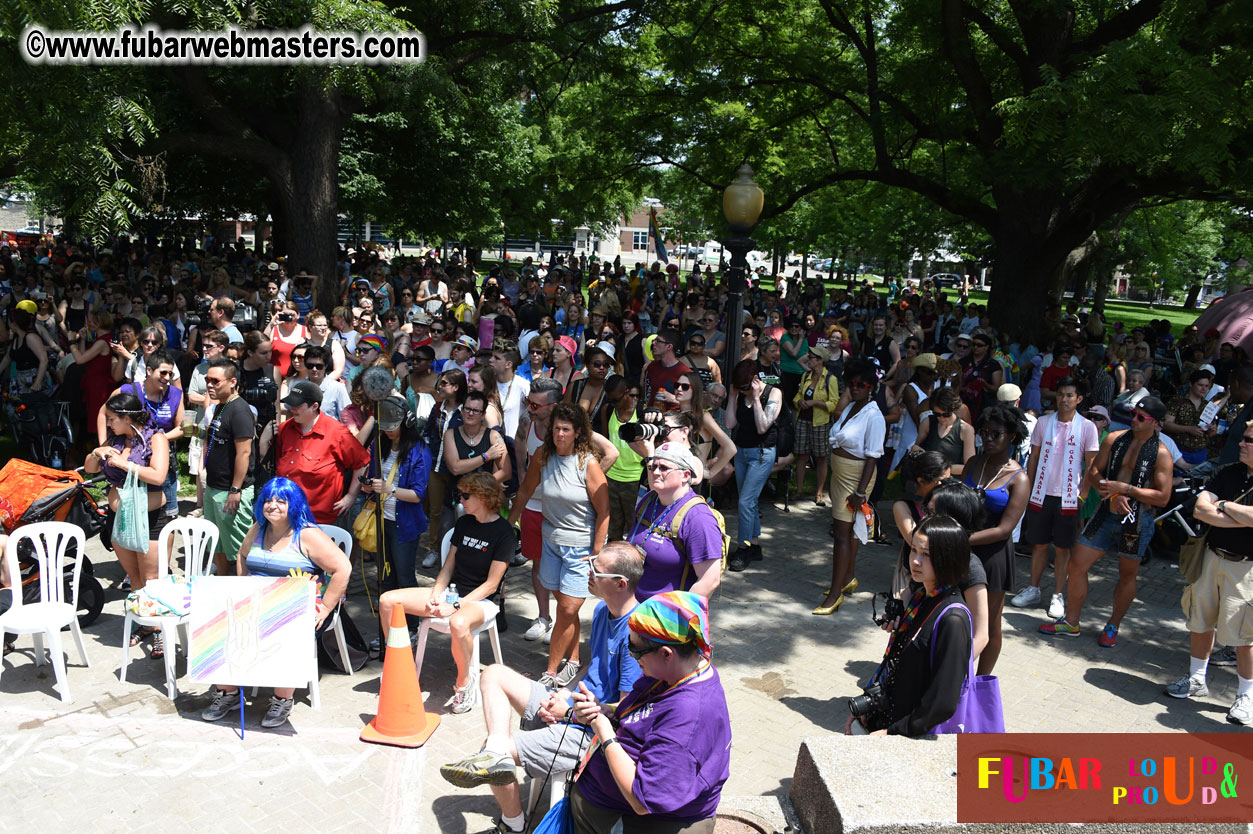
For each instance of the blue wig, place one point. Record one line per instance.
(298, 512)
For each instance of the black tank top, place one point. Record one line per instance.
(746, 435)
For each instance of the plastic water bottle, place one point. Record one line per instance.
(55, 463)
(451, 595)
(1222, 426)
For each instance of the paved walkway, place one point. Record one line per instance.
(121, 757)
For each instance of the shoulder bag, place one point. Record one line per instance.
(1192, 553)
(365, 527)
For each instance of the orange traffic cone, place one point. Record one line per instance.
(402, 721)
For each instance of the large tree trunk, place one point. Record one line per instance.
(1194, 292)
(306, 187)
(1103, 280)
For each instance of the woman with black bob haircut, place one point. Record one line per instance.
(965, 506)
(919, 682)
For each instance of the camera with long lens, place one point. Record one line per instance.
(893, 609)
(651, 426)
(870, 700)
(261, 394)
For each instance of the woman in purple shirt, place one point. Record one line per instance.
(663, 755)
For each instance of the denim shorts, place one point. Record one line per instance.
(1108, 537)
(565, 569)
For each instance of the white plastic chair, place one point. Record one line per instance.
(200, 539)
(343, 540)
(53, 612)
(441, 625)
(556, 789)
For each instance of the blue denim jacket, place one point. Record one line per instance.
(414, 474)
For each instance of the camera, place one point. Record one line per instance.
(893, 609)
(263, 393)
(870, 700)
(288, 316)
(201, 315)
(651, 427)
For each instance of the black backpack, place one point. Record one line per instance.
(785, 425)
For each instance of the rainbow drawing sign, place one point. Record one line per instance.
(252, 631)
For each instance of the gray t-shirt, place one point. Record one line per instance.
(569, 519)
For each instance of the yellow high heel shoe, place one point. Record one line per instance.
(823, 610)
(850, 588)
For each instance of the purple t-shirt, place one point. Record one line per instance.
(663, 561)
(680, 741)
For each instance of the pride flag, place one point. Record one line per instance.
(652, 230)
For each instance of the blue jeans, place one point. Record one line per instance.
(171, 488)
(402, 560)
(752, 468)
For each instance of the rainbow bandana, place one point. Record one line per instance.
(373, 340)
(673, 619)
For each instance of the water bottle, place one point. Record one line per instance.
(451, 595)
(55, 463)
(1222, 426)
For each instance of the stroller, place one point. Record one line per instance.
(31, 493)
(41, 426)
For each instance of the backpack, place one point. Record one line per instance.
(785, 425)
(676, 522)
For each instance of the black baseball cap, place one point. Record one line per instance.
(303, 392)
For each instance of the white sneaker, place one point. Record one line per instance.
(430, 560)
(1057, 606)
(540, 627)
(548, 635)
(464, 700)
(1242, 710)
(1028, 597)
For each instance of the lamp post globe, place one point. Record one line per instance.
(742, 202)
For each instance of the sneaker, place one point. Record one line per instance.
(1057, 607)
(548, 636)
(739, 559)
(566, 674)
(1188, 687)
(196, 513)
(499, 827)
(430, 560)
(539, 627)
(463, 700)
(1241, 711)
(126, 584)
(483, 768)
(518, 561)
(277, 714)
(1028, 597)
(548, 681)
(224, 703)
(1059, 629)
(1109, 636)
(1226, 656)
(755, 553)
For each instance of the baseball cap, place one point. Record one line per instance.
(682, 457)
(962, 337)
(1008, 393)
(822, 352)
(1098, 411)
(304, 392)
(392, 413)
(28, 306)
(1153, 407)
(467, 342)
(924, 360)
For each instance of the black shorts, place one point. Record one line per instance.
(157, 519)
(1047, 525)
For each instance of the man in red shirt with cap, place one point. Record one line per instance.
(316, 452)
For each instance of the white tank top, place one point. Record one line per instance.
(533, 442)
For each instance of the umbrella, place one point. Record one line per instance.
(1232, 315)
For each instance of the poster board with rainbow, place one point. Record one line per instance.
(252, 631)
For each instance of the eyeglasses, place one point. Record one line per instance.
(747, 334)
(465, 409)
(1245, 440)
(212, 383)
(694, 343)
(150, 341)
(464, 496)
(683, 386)
(165, 374)
(598, 575)
(536, 352)
(662, 468)
(438, 331)
(601, 364)
(314, 367)
(362, 351)
(638, 653)
(943, 415)
(445, 383)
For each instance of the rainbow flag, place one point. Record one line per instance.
(652, 230)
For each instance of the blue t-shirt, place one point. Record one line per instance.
(611, 669)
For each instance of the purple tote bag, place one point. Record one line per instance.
(979, 709)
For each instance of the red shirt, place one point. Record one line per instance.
(317, 462)
(656, 376)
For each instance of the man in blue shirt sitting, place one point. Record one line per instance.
(547, 740)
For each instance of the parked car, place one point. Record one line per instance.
(946, 280)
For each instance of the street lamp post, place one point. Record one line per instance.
(741, 205)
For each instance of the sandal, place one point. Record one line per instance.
(141, 634)
(158, 646)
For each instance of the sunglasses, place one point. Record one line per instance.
(598, 575)
(695, 343)
(464, 496)
(151, 341)
(362, 351)
(943, 415)
(683, 386)
(314, 367)
(1141, 418)
(439, 331)
(601, 365)
(662, 468)
(638, 653)
(534, 406)
(165, 374)
(1245, 440)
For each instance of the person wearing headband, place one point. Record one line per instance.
(663, 755)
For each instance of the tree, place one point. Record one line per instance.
(1035, 122)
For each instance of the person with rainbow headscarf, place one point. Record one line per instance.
(662, 756)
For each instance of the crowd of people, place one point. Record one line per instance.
(586, 418)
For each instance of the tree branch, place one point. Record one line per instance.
(1119, 27)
